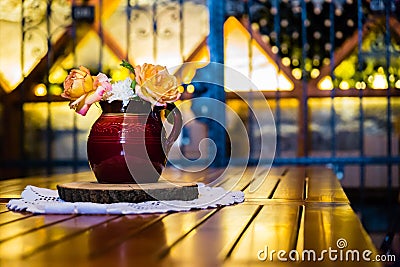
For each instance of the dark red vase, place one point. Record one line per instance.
(129, 144)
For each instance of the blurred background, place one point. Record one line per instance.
(329, 69)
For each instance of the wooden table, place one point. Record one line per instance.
(295, 209)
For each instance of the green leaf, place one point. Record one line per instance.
(133, 84)
(128, 65)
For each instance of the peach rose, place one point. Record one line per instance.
(84, 90)
(156, 85)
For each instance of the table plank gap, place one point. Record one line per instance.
(271, 224)
(115, 243)
(291, 186)
(299, 225)
(236, 241)
(306, 188)
(204, 245)
(72, 227)
(324, 186)
(165, 251)
(29, 225)
(11, 216)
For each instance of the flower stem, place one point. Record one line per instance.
(129, 66)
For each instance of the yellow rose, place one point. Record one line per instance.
(83, 90)
(77, 83)
(156, 85)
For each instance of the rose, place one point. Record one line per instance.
(155, 84)
(84, 90)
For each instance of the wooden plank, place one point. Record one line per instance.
(264, 186)
(29, 224)
(91, 246)
(32, 242)
(3, 207)
(212, 240)
(10, 216)
(325, 224)
(323, 186)
(130, 240)
(14, 190)
(237, 179)
(275, 227)
(292, 184)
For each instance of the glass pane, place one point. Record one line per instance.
(287, 125)
(62, 127)
(35, 135)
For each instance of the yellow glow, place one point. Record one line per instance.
(55, 89)
(40, 90)
(286, 61)
(379, 81)
(325, 83)
(308, 66)
(188, 73)
(57, 75)
(361, 85)
(119, 74)
(315, 73)
(181, 89)
(392, 78)
(263, 73)
(275, 49)
(190, 89)
(397, 84)
(297, 73)
(295, 62)
(344, 85)
(381, 70)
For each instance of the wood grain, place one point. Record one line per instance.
(133, 193)
(293, 208)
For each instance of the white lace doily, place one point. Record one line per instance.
(46, 201)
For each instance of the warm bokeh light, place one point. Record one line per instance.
(181, 89)
(286, 61)
(190, 89)
(361, 85)
(314, 73)
(344, 85)
(297, 73)
(40, 90)
(325, 83)
(379, 81)
(55, 89)
(397, 84)
(295, 62)
(57, 75)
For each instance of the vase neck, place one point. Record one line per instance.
(134, 106)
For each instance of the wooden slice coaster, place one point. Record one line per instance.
(112, 193)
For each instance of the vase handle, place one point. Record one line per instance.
(177, 125)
